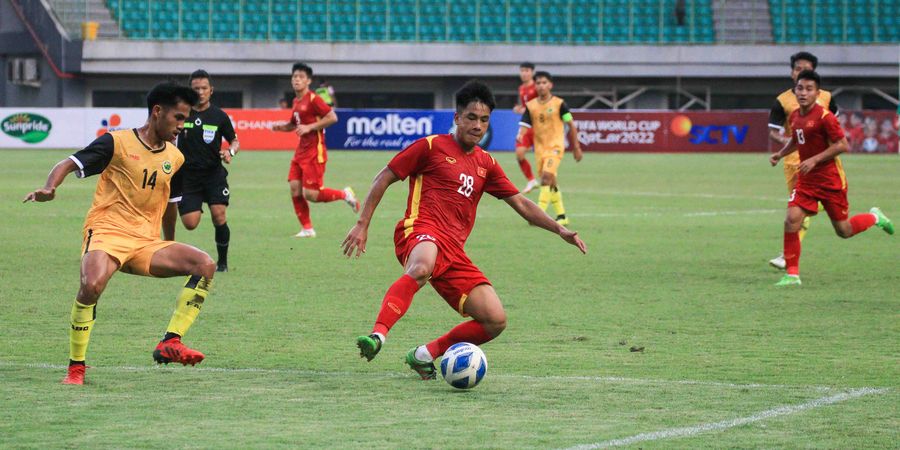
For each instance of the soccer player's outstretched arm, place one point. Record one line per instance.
(356, 238)
(786, 150)
(54, 179)
(536, 216)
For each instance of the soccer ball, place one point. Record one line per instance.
(463, 365)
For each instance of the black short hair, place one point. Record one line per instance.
(304, 67)
(474, 91)
(199, 73)
(168, 94)
(810, 75)
(527, 65)
(543, 74)
(805, 56)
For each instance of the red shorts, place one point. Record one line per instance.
(527, 139)
(454, 274)
(309, 172)
(833, 200)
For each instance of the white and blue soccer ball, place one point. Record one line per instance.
(463, 365)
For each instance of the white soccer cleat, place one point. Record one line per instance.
(351, 200)
(778, 262)
(530, 186)
(306, 233)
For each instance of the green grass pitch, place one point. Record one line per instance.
(678, 246)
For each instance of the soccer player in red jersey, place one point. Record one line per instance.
(527, 91)
(448, 175)
(819, 140)
(310, 117)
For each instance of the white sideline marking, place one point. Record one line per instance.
(608, 379)
(678, 213)
(683, 194)
(726, 424)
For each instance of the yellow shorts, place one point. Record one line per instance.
(132, 253)
(548, 162)
(791, 164)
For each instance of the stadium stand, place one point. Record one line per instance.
(512, 21)
(835, 21)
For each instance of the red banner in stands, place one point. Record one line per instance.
(254, 129)
(665, 131)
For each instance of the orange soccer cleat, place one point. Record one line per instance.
(173, 350)
(75, 375)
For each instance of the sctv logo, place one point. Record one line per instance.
(390, 124)
(681, 126)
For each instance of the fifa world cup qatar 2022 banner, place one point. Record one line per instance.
(668, 131)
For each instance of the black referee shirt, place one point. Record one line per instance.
(201, 139)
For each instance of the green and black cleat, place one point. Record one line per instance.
(369, 346)
(425, 370)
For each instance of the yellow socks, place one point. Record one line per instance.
(557, 202)
(82, 321)
(804, 227)
(544, 197)
(189, 303)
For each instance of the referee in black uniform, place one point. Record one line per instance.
(204, 177)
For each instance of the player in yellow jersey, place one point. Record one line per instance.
(780, 130)
(136, 195)
(548, 115)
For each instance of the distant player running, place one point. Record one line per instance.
(547, 115)
(122, 230)
(306, 177)
(819, 140)
(525, 142)
(204, 177)
(780, 129)
(448, 175)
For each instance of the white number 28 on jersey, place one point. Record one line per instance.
(467, 186)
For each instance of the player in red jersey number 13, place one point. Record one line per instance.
(448, 175)
(819, 140)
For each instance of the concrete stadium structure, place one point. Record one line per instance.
(67, 71)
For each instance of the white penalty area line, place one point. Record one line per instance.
(682, 195)
(726, 424)
(682, 214)
(555, 378)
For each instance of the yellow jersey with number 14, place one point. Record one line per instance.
(134, 186)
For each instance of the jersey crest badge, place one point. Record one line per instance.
(482, 172)
(167, 167)
(451, 160)
(209, 133)
(198, 122)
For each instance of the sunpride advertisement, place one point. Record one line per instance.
(393, 130)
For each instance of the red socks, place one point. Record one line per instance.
(301, 208)
(526, 169)
(329, 195)
(471, 331)
(862, 222)
(396, 301)
(792, 253)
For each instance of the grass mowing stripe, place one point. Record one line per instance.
(726, 424)
(406, 375)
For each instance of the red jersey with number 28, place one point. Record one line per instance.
(445, 186)
(527, 92)
(309, 109)
(814, 133)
